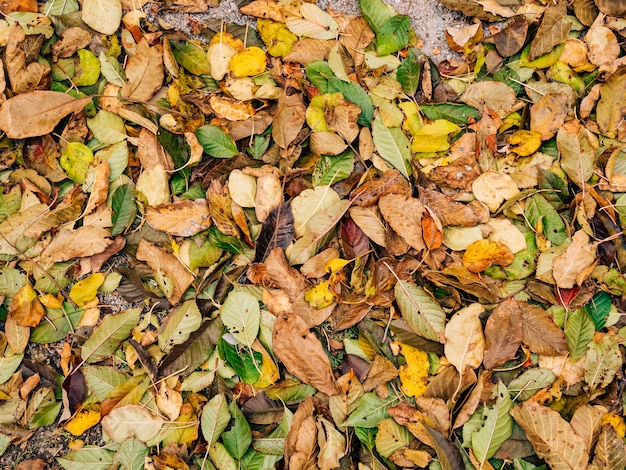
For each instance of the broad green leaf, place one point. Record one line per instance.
(59, 7)
(245, 362)
(290, 392)
(456, 113)
(75, 160)
(116, 156)
(599, 308)
(107, 336)
(42, 408)
(123, 207)
(423, 314)
(497, 428)
(579, 332)
(393, 35)
(107, 127)
(241, 315)
(356, 95)
(376, 13)
(61, 322)
(179, 325)
(216, 142)
(215, 418)
(132, 454)
(197, 381)
(370, 411)
(87, 457)
(319, 72)
(530, 382)
(101, 380)
(393, 146)
(239, 437)
(540, 213)
(112, 70)
(87, 69)
(408, 73)
(102, 15)
(191, 56)
(330, 170)
(603, 361)
(221, 458)
(11, 280)
(8, 365)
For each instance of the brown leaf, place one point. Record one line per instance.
(497, 96)
(16, 335)
(301, 442)
(289, 119)
(264, 9)
(465, 343)
(460, 174)
(548, 114)
(572, 267)
(540, 333)
(163, 263)
(302, 353)
(610, 109)
(37, 112)
(72, 39)
(355, 35)
(19, 5)
(451, 212)
(404, 215)
(552, 31)
(25, 73)
(586, 422)
(79, 243)
(552, 437)
(308, 50)
(511, 39)
(503, 333)
(327, 143)
(391, 182)
(343, 120)
(94, 263)
(610, 450)
(382, 371)
(151, 153)
(100, 188)
(183, 218)
(408, 415)
(144, 72)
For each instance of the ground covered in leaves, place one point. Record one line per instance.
(333, 252)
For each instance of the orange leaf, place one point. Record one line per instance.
(483, 253)
(26, 309)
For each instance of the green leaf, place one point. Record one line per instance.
(370, 411)
(290, 393)
(59, 7)
(356, 95)
(96, 457)
(599, 308)
(87, 69)
(376, 13)
(8, 365)
(215, 418)
(11, 280)
(107, 127)
(458, 114)
(367, 436)
(179, 324)
(408, 73)
(391, 437)
(540, 210)
(132, 454)
(221, 458)
(75, 160)
(107, 336)
(241, 315)
(393, 35)
(4, 443)
(603, 361)
(101, 380)
(42, 408)
(116, 156)
(579, 332)
(59, 325)
(239, 437)
(216, 142)
(112, 70)
(319, 72)
(393, 146)
(123, 208)
(330, 170)
(498, 426)
(530, 382)
(274, 442)
(191, 56)
(423, 314)
(247, 365)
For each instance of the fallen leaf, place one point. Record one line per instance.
(484, 253)
(503, 334)
(571, 267)
(76, 243)
(493, 188)
(465, 343)
(404, 215)
(182, 218)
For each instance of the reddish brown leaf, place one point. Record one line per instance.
(503, 333)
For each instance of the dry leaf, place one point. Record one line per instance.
(465, 343)
(404, 215)
(572, 267)
(25, 308)
(539, 331)
(290, 117)
(484, 253)
(144, 72)
(302, 353)
(82, 242)
(181, 218)
(548, 114)
(494, 188)
(301, 442)
(503, 334)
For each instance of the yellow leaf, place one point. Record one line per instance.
(51, 301)
(83, 420)
(25, 308)
(433, 137)
(335, 265)
(85, 290)
(249, 62)
(320, 296)
(525, 142)
(483, 253)
(413, 375)
(278, 39)
(617, 422)
(269, 369)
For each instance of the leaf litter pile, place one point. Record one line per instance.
(336, 253)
